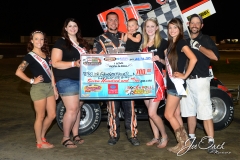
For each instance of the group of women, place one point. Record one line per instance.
(177, 58)
(60, 75)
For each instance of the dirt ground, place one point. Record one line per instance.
(17, 141)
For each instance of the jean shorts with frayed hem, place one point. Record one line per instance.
(173, 92)
(68, 87)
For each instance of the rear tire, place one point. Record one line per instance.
(90, 117)
(222, 110)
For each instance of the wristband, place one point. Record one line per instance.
(198, 45)
(31, 81)
(73, 63)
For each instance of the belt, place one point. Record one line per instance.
(195, 77)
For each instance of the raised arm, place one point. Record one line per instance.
(192, 60)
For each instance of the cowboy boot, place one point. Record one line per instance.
(184, 142)
(177, 134)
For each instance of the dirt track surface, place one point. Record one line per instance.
(17, 141)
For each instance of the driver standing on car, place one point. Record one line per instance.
(198, 102)
(105, 44)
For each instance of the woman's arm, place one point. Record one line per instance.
(58, 63)
(192, 61)
(54, 85)
(157, 58)
(20, 73)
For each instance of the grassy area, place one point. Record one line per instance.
(233, 67)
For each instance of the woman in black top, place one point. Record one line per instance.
(66, 62)
(43, 89)
(155, 44)
(177, 71)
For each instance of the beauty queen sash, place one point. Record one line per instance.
(178, 82)
(42, 62)
(80, 49)
(160, 88)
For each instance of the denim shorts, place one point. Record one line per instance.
(68, 87)
(173, 92)
(41, 91)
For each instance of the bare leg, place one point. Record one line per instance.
(153, 126)
(77, 122)
(208, 126)
(170, 109)
(39, 107)
(192, 122)
(72, 109)
(51, 114)
(177, 114)
(76, 138)
(152, 108)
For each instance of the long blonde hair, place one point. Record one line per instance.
(157, 37)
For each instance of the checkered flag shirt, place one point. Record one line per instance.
(164, 14)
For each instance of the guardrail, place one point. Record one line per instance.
(228, 47)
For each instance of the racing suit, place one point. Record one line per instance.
(104, 45)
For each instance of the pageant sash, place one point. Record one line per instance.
(80, 49)
(42, 62)
(178, 82)
(159, 80)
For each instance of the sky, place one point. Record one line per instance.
(19, 18)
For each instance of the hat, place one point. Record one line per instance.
(196, 15)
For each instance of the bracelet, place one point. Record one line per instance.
(199, 46)
(73, 63)
(31, 81)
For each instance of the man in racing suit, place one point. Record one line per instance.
(198, 102)
(104, 44)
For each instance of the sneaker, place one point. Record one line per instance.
(193, 142)
(113, 140)
(211, 148)
(134, 141)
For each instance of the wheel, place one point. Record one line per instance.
(222, 109)
(90, 117)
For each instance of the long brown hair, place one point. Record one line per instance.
(173, 56)
(157, 37)
(80, 40)
(45, 47)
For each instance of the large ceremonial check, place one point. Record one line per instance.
(117, 76)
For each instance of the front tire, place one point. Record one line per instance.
(222, 107)
(90, 117)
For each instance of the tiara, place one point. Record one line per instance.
(151, 18)
(37, 32)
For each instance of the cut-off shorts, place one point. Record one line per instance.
(173, 92)
(68, 87)
(41, 90)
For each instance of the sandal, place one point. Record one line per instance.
(44, 139)
(44, 145)
(152, 142)
(78, 140)
(67, 144)
(162, 140)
